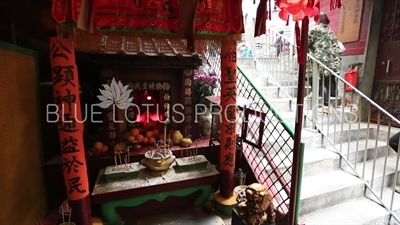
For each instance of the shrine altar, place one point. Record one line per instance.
(152, 186)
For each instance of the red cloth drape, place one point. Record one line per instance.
(261, 18)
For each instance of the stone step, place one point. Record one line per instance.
(317, 158)
(378, 173)
(281, 92)
(329, 188)
(358, 211)
(393, 204)
(357, 151)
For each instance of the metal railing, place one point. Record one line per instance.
(268, 142)
(363, 145)
(361, 139)
(278, 62)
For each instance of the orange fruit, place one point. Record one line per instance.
(104, 149)
(149, 134)
(152, 140)
(98, 145)
(145, 140)
(135, 132)
(156, 132)
(131, 138)
(139, 138)
(119, 147)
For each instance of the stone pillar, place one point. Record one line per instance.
(70, 128)
(229, 114)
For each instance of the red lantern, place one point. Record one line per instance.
(297, 8)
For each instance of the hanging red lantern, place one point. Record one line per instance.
(297, 8)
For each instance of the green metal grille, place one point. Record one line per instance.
(272, 159)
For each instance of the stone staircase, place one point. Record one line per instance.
(331, 193)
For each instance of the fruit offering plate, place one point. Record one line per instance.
(138, 135)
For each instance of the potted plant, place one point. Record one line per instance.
(204, 85)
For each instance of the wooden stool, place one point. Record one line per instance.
(96, 221)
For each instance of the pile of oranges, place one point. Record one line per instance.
(98, 149)
(136, 135)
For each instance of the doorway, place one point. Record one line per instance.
(386, 86)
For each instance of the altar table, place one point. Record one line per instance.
(151, 186)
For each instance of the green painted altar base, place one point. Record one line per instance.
(147, 178)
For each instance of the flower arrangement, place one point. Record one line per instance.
(204, 85)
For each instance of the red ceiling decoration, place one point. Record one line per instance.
(298, 9)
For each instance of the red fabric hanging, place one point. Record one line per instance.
(336, 4)
(316, 17)
(261, 18)
(298, 42)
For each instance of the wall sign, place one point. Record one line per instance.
(350, 21)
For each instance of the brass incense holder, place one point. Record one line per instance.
(158, 161)
(160, 158)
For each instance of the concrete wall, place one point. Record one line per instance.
(352, 48)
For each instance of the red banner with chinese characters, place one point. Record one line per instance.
(70, 125)
(228, 105)
(66, 10)
(59, 11)
(216, 17)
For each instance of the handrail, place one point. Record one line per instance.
(353, 169)
(287, 127)
(247, 88)
(355, 89)
(274, 81)
(295, 178)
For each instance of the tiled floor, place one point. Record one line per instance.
(191, 216)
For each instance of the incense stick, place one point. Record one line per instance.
(62, 212)
(69, 217)
(120, 160)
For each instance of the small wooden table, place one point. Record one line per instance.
(151, 186)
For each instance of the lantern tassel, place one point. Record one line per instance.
(269, 10)
(336, 4)
(304, 40)
(261, 17)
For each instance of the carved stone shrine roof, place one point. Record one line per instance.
(148, 47)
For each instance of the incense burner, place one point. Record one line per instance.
(158, 160)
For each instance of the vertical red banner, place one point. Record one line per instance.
(70, 125)
(59, 11)
(75, 10)
(229, 115)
